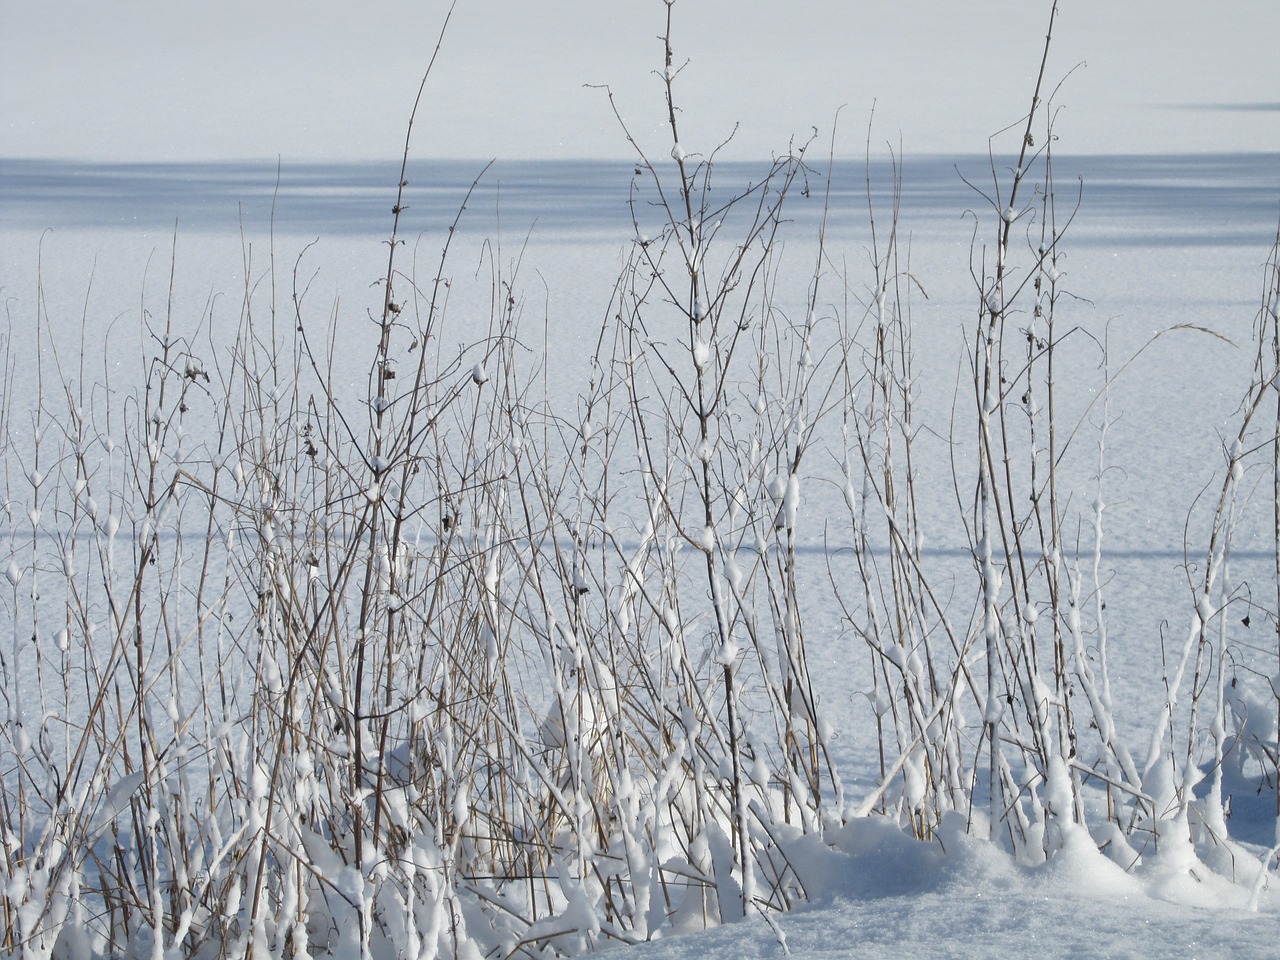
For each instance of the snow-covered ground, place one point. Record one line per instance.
(891, 897)
(146, 80)
(1158, 242)
(1176, 219)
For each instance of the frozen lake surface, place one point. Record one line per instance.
(1164, 247)
(1157, 241)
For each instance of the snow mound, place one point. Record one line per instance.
(877, 892)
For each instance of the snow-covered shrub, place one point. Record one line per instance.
(430, 666)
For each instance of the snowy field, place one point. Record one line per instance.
(465, 658)
(1159, 241)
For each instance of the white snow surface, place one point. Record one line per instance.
(242, 78)
(969, 923)
(881, 892)
(874, 891)
(886, 895)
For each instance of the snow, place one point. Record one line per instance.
(985, 918)
(884, 894)
(245, 79)
(1145, 263)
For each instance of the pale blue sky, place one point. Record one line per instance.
(330, 79)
